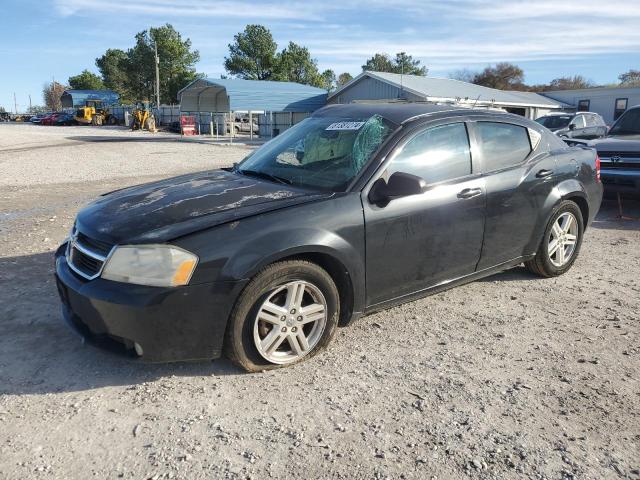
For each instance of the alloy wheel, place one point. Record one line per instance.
(563, 239)
(290, 322)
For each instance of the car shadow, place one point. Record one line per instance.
(40, 354)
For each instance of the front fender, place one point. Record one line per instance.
(238, 250)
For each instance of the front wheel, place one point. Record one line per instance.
(561, 242)
(288, 312)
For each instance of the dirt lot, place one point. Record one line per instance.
(509, 377)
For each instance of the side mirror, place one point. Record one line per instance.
(400, 185)
(572, 126)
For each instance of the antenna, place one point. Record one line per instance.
(474, 103)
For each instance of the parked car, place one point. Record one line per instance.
(619, 153)
(50, 118)
(575, 125)
(38, 118)
(64, 119)
(353, 210)
(5, 117)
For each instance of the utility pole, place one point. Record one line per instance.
(15, 104)
(30, 108)
(157, 62)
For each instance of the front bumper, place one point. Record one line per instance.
(621, 180)
(167, 324)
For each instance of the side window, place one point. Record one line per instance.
(437, 154)
(583, 105)
(502, 144)
(591, 120)
(578, 121)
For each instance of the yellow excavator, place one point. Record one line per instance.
(93, 113)
(142, 117)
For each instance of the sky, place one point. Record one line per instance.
(46, 39)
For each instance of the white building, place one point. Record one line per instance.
(608, 102)
(382, 86)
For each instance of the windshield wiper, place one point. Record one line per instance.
(268, 176)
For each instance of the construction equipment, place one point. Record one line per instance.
(93, 113)
(142, 117)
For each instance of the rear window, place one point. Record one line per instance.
(554, 121)
(502, 144)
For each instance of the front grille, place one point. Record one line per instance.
(619, 154)
(86, 255)
(98, 246)
(620, 165)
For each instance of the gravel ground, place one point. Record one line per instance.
(509, 377)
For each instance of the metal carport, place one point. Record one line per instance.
(217, 98)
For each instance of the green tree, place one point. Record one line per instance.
(407, 65)
(51, 94)
(294, 64)
(252, 55)
(113, 68)
(630, 78)
(504, 76)
(328, 80)
(402, 63)
(344, 78)
(176, 63)
(132, 73)
(86, 81)
(380, 62)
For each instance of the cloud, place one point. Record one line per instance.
(444, 35)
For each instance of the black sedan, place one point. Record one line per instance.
(355, 209)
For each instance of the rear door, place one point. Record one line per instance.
(518, 179)
(418, 241)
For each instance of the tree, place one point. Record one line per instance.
(630, 78)
(344, 78)
(504, 76)
(86, 81)
(294, 64)
(113, 68)
(569, 83)
(252, 55)
(464, 75)
(380, 62)
(328, 80)
(402, 63)
(408, 66)
(132, 73)
(51, 93)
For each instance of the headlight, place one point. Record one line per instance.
(155, 265)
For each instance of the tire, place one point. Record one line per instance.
(112, 120)
(276, 284)
(545, 264)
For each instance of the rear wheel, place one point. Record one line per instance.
(561, 242)
(288, 312)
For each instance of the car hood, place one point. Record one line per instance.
(617, 143)
(168, 209)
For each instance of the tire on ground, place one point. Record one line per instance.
(541, 264)
(239, 344)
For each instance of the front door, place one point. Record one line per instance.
(419, 241)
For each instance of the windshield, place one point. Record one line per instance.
(323, 153)
(627, 124)
(554, 121)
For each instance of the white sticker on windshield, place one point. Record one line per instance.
(345, 126)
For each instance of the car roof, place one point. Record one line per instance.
(395, 112)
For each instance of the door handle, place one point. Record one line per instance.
(544, 173)
(469, 192)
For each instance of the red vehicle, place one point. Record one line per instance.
(50, 119)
